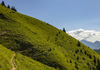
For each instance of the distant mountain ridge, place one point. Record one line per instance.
(95, 45)
(97, 50)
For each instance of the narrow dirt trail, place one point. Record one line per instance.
(13, 63)
(68, 40)
(4, 32)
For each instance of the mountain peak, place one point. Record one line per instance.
(95, 45)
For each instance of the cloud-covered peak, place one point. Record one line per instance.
(90, 35)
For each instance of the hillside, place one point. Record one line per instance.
(43, 44)
(5, 56)
(22, 62)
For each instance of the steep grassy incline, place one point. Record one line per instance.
(44, 43)
(22, 62)
(5, 57)
(25, 63)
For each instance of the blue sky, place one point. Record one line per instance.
(68, 14)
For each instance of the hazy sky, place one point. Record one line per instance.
(68, 14)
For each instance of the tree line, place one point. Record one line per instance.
(12, 8)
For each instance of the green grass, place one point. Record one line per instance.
(5, 57)
(22, 62)
(44, 43)
(25, 63)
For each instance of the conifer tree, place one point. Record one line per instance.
(64, 30)
(3, 3)
(78, 43)
(8, 6)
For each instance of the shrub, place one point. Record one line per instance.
(81, 51)
(90, 56)
(94, 60)
(56, 34)
(87, 63)
(77, 58)
(98, 66)
(76, 67)
(13, 8)
(70, 61)
(75, 63)
(56, 39)
(59, 32)
(2, 16)
(83, 58)
(76, 51)
(50, 49)
(85, 52)
(78, 44)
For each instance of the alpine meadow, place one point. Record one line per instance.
(38, 45)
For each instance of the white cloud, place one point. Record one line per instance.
(90, 35)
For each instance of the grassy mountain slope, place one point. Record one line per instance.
(25, 63)
(5, 56)
(44, 43)
(22, 62)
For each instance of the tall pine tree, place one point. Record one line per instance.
(78, 43)
(64, 30)
(8, 6)
(3, 3)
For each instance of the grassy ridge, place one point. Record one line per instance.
(45, 43)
